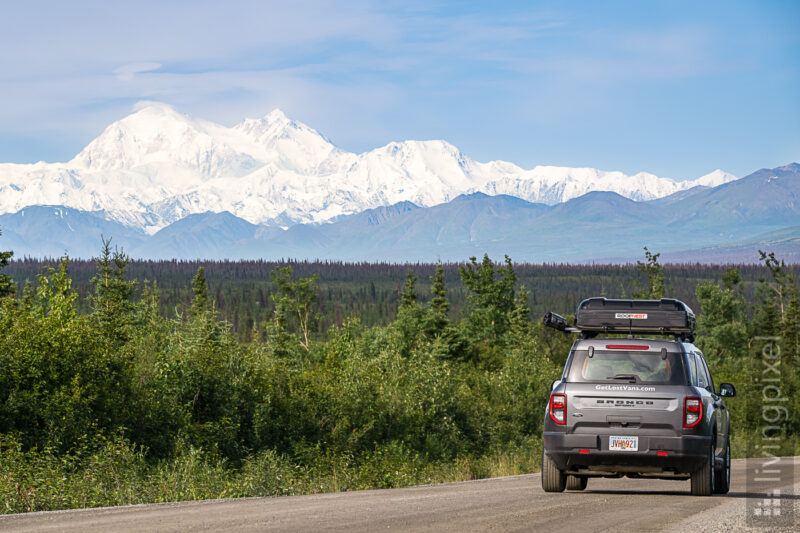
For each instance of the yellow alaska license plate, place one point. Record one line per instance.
(623, 444)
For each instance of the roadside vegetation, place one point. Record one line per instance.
(105, 399)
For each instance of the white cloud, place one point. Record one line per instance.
(127, 72)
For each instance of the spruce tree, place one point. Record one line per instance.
(111, 302)
(28, 296)
(200, 290)
(519, 319)
(6, 283)
(439, 307)
(491, 301)
(408, 296)
(790, 334)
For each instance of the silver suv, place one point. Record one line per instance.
(629, 404)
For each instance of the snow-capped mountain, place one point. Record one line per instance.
(157, 166)
(553, 185)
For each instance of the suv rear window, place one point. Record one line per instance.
(619, 366)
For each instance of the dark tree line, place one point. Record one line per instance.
(243, 290)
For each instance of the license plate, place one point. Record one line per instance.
(623, 444)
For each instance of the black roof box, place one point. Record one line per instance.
(664, 316)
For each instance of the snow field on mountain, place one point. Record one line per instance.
(156, 166)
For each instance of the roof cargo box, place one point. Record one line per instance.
(653, 316)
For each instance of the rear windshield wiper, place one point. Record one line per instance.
(630, 377)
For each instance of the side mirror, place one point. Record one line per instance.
(554, 384)
(727, 390)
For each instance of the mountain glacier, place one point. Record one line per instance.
(157, 166)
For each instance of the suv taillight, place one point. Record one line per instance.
(558, 408)
(692, 411)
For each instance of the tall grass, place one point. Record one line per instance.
(115, 472)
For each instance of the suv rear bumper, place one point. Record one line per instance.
(684, 454)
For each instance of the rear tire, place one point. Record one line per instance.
(722, 477)
(553, 479)
(703, 477)
(577, 482)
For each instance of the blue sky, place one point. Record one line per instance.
(674, 88)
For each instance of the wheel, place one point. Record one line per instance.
(703, 477)
(577, 482)
(553, 479)
(722, 477)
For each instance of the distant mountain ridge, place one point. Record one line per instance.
(729, 222)
(157, 166)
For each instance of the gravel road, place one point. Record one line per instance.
(515, 503)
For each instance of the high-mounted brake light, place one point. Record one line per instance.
(558, 408)
(692, 411)
(661, 453)
(626, 347)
